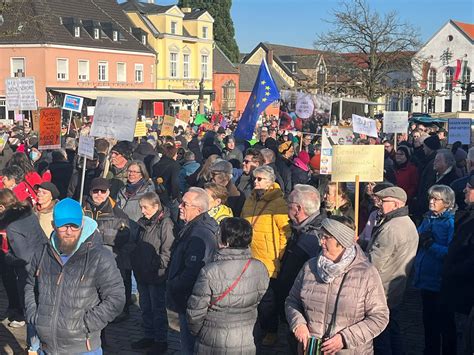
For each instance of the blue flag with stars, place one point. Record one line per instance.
(263, 94)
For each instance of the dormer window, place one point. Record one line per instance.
(144, 40)
(77, 31)
(96, 33)
(174, 26)
(204, 32)
(115, 36)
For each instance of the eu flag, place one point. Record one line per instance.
(263, 94)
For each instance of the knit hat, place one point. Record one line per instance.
(123, 148)
(342, 233)
(221, 166)
(432, 142)
(304, 157)
(315, 161)
(393, 192)
(460, 155)
(284, 147)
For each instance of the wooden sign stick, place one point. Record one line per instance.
(356, 208)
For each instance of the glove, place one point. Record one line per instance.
(426, 239)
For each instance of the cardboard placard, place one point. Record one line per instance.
(35, 117)
(185, 115)
(364, 125)
(19, 117)
(167, 128)
(86, 147)
(20, 94)
(395, 122)
(459, 129)
(90, 110)
(50, 128)
(73, 103)
(140, 129)
(115, 118)
(332, 136)
(158, 109)
(366, 161)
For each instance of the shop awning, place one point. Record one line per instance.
(152, 95)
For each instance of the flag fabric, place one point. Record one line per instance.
(263, 94)
(460, 72)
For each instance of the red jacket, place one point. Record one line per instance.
(407, 179)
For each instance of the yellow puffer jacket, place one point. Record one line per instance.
(271, 227)
(220, 212)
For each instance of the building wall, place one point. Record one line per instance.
(41, 63)
(219, 80)
(259, 55)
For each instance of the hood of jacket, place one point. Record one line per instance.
(232, 254)
(400, 212)
(271, 194)
(87, 230)
(13, 214)
(312, 223)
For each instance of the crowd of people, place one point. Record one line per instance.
(238, 239)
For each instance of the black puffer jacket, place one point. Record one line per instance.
(70, 303)
(151, 256)
(230, 325)
(168, 170)
(192, 249)
(61, 173)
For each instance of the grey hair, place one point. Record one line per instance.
(201, 200)
(151, 197)
(470, 154)
(307, 197)
(448, 156)
(141, 165)
(189, 156)
(445, 193)
(268, 155)
(267, 171)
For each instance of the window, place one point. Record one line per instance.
(17, 66)
(204, 32)
(173, 65)
(321, 75)
(467, 77)
(115, 36)
(62, 69)
(174, 26)
(121, 72)
(448, 85)
(77, 31)
(204, 62)
(185, 65)
(83, 70)
(432, 79)
(139, 73)
(103, 71)
(144, 40)
(96, 33)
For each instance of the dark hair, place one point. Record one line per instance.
(22, 161)
(236, 232)
(101, 145)
(256, 155)
(169, 150)
(217, 191)
(9, 200)
(13, 172)
(347, 221)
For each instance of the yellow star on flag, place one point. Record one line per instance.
(263, 82)
(264, 99)
(267, 94)
(267, 87)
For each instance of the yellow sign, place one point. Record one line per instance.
(363, 160)
(140, 129)
(167, 128)
(184, 115)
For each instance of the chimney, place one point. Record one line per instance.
(270, 57)
(186, 10)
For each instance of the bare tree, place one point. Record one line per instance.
(371, 45)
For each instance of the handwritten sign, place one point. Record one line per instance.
(304, 105)
(140, 129)
(158, 109)
(459, 129)
(73, 103)
(50, 129)
(115, 118)
(86, 147)
(185, 115)
(167, 128)
(332, 136)
(363, 160)
(20, 94)
(364, 125)
(395, 122)
(35, 117)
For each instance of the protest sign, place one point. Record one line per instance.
(167, 128)
(332, 136)
(115, 118)
(50, 128)
(19, 117)
(304, 105)
(90, 110)
(200, 119)
(20, 94)
(185, 115)
(364, 125)
(459, 129)
(73, 103)
(180, 123)
(35, 117)
(364, 161)
(3, 140)
(86, 147)
(395, 122)
(158, 109)
(140, 129)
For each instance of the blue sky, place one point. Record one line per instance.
(296, 22)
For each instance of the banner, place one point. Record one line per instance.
(115, 118)
(459, 129)
(50, 128)
(158, 109)
(73, 103)
(363, 160)
(364, 125)
(140, 129)
(395, 122)
(332, 136)
(86, 147)
(167, 128)
(20, 94)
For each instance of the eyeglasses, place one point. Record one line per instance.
(247, 161)
(186, 204)
(259, 178)
(324, 236)
(72, 227)
(435, 198)
(96, 191)
(387, 201)
(134, 172)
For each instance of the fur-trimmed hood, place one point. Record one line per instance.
(13, 214)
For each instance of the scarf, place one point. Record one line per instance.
(328, 270)
(131, 189)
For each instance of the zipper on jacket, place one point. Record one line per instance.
(56, 308)
(326, 310)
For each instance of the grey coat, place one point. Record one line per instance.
(362, 311)
(392, 251)
(229, 326)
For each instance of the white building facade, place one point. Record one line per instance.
(442, 70)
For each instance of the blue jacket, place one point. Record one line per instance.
(429, 262)
(187, 169)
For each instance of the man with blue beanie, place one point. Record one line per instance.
(74, 288)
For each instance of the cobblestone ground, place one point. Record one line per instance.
(119, 336)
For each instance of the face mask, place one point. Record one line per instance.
(34, 155)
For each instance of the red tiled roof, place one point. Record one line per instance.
(467, 28)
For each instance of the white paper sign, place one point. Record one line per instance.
(332, 136)
(73, 103)
(395, 122)
(90, 110)
(364, 125)
(20, 94)
(459, 129)
(304, 105)
(115, 118)
(86, 147)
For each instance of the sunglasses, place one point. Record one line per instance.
(72, 227)
(259, 178)
(96, 191)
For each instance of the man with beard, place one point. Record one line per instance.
(74, 287)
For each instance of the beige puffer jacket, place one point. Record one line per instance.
(362, 311)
